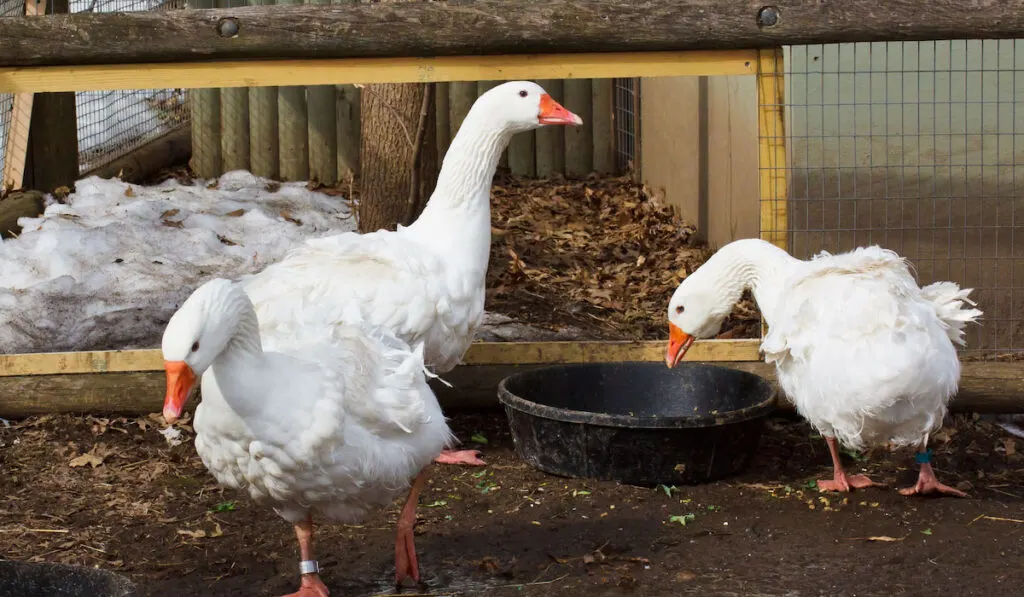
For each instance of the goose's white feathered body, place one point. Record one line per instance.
(333, 422)
(385, 279)
(865, 354)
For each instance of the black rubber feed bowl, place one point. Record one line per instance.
(24, 579)
(637, 423)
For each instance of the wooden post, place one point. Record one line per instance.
(205, 109)
(293, 131)
(234, 118)
(771, 132)
(601, 125)
(52, 157)
(442, 104)
(16, 146)
(579, 141)
(263, 136)
(550, 140)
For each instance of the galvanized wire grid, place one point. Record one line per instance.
(626, 108)
(917, 147)
(8, 8)
(112, 124)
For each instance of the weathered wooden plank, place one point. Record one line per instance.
(461, 95)
(442, 107)
(322, 110)
(579, 140)
(263, 153)
(490, 27)
(263, 136)
(204, 106)
(550, 140)
(601, 124)
(984, 388)
(490, 353)
(348, 121)
(521, 154)
(234, 118)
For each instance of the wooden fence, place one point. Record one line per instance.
(312, 133)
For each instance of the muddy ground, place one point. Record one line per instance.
(152, 512)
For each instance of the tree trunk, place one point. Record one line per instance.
(397, 154)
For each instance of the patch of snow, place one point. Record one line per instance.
(107, 268)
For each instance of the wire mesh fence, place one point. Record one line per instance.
(627, 112)
(8, 8)
(112, 124)
(917, 147)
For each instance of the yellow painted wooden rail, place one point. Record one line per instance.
(264, 73)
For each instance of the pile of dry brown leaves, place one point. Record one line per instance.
(599, 255)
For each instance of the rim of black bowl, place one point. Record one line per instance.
(568, 415)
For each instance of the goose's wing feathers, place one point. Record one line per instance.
(856, 305)
(353, 377)
(381, 279)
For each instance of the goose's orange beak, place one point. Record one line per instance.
(678, 343)
(180, 380)
(552, 112)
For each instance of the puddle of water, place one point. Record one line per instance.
(443, 583)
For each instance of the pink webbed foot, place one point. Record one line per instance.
(928, 483)
(464, 457)
(311, 586)
(845, 483)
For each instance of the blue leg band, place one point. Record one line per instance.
(924, 457)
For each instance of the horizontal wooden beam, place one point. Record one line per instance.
(484, 27)
(267, 73)
(479, 353)
(984, 388)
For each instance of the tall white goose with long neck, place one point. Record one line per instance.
(424, 282)
(332, 424)
(866, 355)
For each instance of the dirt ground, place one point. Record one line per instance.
(151, 511)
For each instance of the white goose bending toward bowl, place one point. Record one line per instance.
(331, 424)
(866, 355)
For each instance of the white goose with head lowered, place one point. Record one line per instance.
(866, 354)
(331, 422)
(425, 282)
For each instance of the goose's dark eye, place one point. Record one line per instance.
(195, 346)
(679, 310)
(523, 93)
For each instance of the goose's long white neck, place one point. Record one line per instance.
(457, 219)
(755, 265)
(240, 368)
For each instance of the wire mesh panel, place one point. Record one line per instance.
(114, 123)
(917, 147)
(8, 8)
(626, 109)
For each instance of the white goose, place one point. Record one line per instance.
(866, 355)
(425, 283)
(330, 424)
